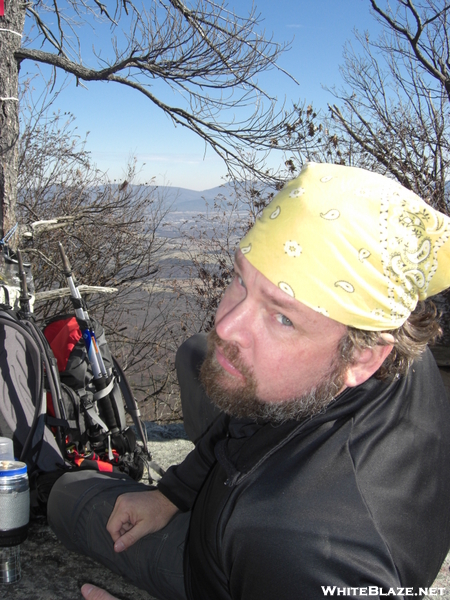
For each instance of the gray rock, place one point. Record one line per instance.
(50, 572)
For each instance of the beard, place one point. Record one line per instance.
(240, 399)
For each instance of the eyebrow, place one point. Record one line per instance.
(279, 302)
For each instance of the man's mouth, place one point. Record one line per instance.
(227, 364)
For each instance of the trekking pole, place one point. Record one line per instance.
(24, 298)
(48, 358)
(102, 381)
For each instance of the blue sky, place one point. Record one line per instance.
(123, 123)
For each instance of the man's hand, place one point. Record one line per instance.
(91, 592)
(136, 514)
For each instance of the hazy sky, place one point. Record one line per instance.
(123, 122)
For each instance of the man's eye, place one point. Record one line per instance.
(284, 320)
(240, 280)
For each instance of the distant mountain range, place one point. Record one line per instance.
(181, 199)
(184, 200)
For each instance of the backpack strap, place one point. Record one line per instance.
(90, 409)
(38, 393)
(131, 403)
(25, 416)
(105, 391)
(51, 371)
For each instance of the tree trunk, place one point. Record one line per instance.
(11, 28)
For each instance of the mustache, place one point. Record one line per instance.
(228, 349)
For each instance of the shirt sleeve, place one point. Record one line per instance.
(182, 482)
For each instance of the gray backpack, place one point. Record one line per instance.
(23, 418)
(58, 425)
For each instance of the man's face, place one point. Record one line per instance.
(270, 356)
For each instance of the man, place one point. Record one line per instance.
(327, 463)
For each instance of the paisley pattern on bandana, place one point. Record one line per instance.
(363, 254)
(411, 260)
(353, 245)
(345, 285)
(275, 213)
(285, 287)
(331, 215)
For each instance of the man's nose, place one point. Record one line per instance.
(234, 323)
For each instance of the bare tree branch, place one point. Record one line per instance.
(207, 52)
(414, 39)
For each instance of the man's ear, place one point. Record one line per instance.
(367, 362)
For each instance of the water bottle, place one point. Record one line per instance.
(14, 511)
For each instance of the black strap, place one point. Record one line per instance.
(64, 423)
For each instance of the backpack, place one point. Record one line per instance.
(57, 425)
(22, 407)
(58, 414)
(96, 421)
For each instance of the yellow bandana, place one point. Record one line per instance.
(353, 245)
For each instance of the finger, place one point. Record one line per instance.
(130, 537)
(118, 523)
(125, 527)
(92, 592)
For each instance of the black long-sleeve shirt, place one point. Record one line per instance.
(357, 496)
